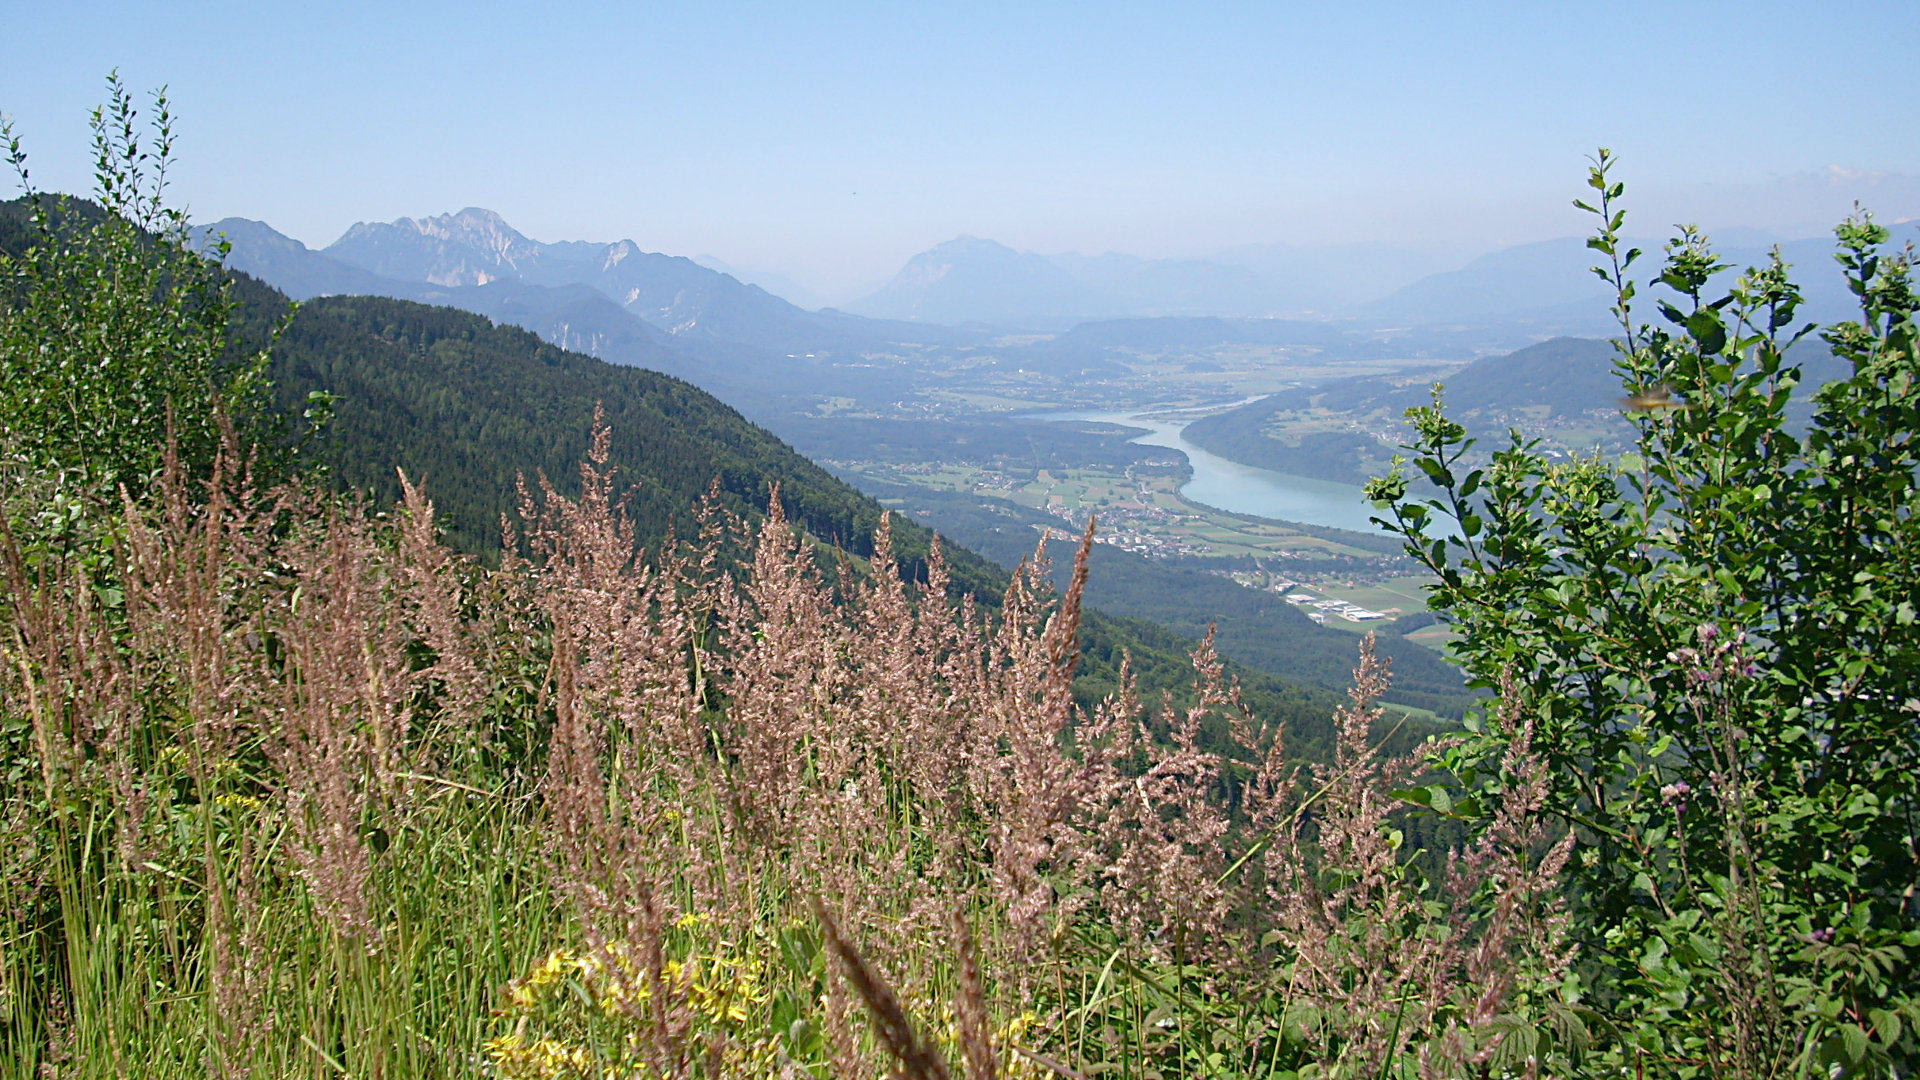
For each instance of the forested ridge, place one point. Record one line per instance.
(1564, 376)
(467, 407)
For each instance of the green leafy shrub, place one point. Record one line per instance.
(1718, 637)
(113, 325)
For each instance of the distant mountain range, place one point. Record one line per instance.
(450, 254)
(970, 280)
(614, 301)
(774, 282)
(477, 247)
(1546, 287)
(673, 314)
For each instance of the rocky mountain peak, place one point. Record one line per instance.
(472, 247)
(481, 230)
(969, 245)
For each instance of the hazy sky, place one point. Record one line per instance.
(830, 142)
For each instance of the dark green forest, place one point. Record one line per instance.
(467, 408)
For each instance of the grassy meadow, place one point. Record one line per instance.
(293, 791)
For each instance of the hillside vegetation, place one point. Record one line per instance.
(290, 787)
(1555, 380)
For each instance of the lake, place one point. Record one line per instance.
(1244, 489)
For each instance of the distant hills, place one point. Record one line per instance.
(452, 254)
(1566, 376)
(1558, 380)
(970, 280)
(1549, 286)
(1546, 288)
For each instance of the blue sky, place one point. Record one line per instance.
(831, 142)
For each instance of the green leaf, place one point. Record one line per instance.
(1706, 328)
(1853, 1042)
(1886, 1025)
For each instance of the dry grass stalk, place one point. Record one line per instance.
(342, 753)
(918, 1059)
(622, 708)
(970, 1004)
(1027, 790)
(431, 583)
(1166, 828)
(1355, 929)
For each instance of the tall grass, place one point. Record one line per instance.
(292, 791)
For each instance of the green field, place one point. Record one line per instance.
(1142, 506)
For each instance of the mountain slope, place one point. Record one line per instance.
(1566, 381)
(465, 407)
(1546, 282)
(571, 315)
(1566, 376)
(291, 266)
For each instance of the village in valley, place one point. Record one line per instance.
(1336, 579)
